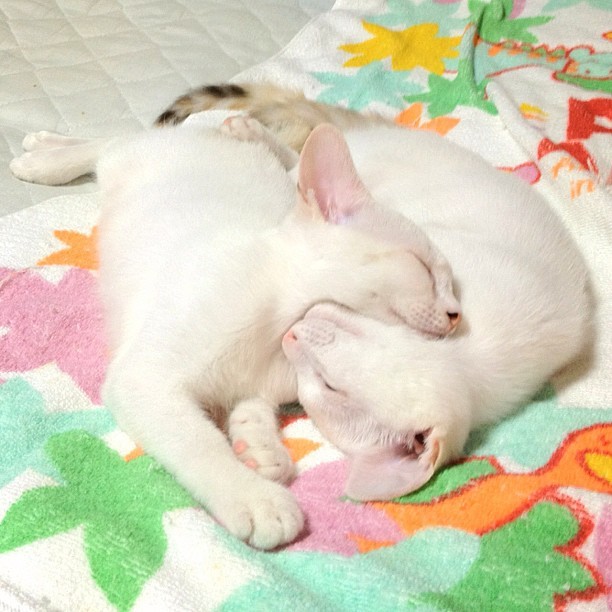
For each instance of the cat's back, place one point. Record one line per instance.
(460, 200)
(194, 177)
(522, 281)
(182, 209)
(430, 178)
(177, 197)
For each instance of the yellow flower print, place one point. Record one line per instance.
(409, 48)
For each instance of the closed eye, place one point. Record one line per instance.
(330, 387)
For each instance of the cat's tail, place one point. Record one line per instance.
(53, 159)
(287, 113)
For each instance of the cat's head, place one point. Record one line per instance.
(382, 263)
(381, 395)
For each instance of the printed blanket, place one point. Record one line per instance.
(523, 522)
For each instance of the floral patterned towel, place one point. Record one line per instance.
(524, 522)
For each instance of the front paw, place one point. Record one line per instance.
(270, 460)
(256, 441)
(262, 513)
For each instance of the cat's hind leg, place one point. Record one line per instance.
(49, 140)
(253, 431)
(58, 165)
(243, 127)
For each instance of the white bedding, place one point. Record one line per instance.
(102, 67)
(88, 522)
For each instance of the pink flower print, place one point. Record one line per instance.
(335, 524)
(46, 322)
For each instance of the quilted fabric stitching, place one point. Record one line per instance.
(94, 46)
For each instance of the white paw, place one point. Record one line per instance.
(256, 441)
(35, 141)
(269, 459)
(243, 127)
(32, 167)
(40, 140)
(262, 513)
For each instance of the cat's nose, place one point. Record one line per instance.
(453, 318)
(290, 346)
(289, 337)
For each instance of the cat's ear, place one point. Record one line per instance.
(327, 176)
(390, 472)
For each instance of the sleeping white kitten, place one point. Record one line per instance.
(401, 406)
(398, 405)
(205, 263)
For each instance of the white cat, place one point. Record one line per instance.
(400, 406)
(204, 265)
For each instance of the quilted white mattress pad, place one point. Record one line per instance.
(104, 67)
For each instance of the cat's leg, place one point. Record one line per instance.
(49, 140)
(253, 431)
(168, 422)
(58, 165)
(243, 127)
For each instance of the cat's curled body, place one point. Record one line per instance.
(208, 254)
(198, 299)
(400, 406)
(188, 299)
(527, 307)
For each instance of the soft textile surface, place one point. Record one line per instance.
(524, 522)
(98, 67)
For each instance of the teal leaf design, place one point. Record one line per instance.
(386, 579)
(520, 566)
(371, 83)
(25, 427)
(406, 13)
(435, 569)
(542, 415)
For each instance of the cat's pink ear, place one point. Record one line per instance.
(327, 176)
(390, 472)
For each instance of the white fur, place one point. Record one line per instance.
(53, 159)
(208, 255)
(525, 298)
(200, 289)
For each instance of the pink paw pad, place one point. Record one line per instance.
(239, 446)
